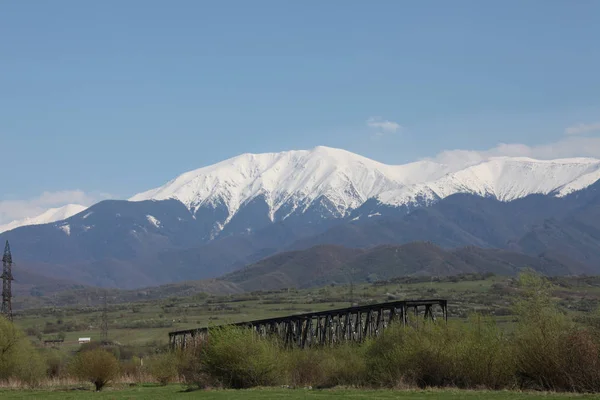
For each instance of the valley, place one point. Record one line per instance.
(143, 324)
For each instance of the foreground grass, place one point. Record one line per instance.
(177, 391)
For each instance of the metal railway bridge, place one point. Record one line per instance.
(352, 324)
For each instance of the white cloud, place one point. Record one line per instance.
(582, 128)
(566, 148)
(11, 210)
(383, 126)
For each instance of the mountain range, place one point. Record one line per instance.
(226, 218)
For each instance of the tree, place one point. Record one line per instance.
(97, 366)
(10, 338)
(18, 358)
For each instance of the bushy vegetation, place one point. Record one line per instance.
(97, 366)
(237, 359)
(325, 367)
(164, 367)
(546, 351)
(544, 345)
(462, 355)
(18, 358)
(553, 352)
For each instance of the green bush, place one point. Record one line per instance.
(552, 353)
(18, 358)
(304, 367)
(343, 365)
(419, 355)
(475, 354)
(484, 355)
(164, 367)
(96, 366)
(30, 368)
(237, 358)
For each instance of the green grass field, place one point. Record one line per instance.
(176, 391)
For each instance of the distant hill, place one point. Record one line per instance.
(327, 264)
(294, 268)
(318, 266)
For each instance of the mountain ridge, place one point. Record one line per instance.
(331, 264)
(338, 182)
(499, 202)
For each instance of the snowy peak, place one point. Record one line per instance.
(504, 178)
(293, 181)
(48, 216)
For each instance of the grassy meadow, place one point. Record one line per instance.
(177, 391)
(147, 323)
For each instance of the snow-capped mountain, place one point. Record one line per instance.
(215, 219)
(50, 215)
(291, 181)
(335, 182)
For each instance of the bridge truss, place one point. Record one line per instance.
(352, 324)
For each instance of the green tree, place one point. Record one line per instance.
(10, 341)
(18, 358)
(238, 359)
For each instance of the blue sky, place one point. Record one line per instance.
(120, 96)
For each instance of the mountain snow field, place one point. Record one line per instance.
(299, 178)
(292, 182)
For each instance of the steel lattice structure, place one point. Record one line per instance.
(104, 322)
(352, 324)
(7, 279)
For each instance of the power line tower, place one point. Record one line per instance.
(350, 273)
(104, 322)
(7, 279)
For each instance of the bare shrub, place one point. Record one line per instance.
(582, 361)
(56, 363)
